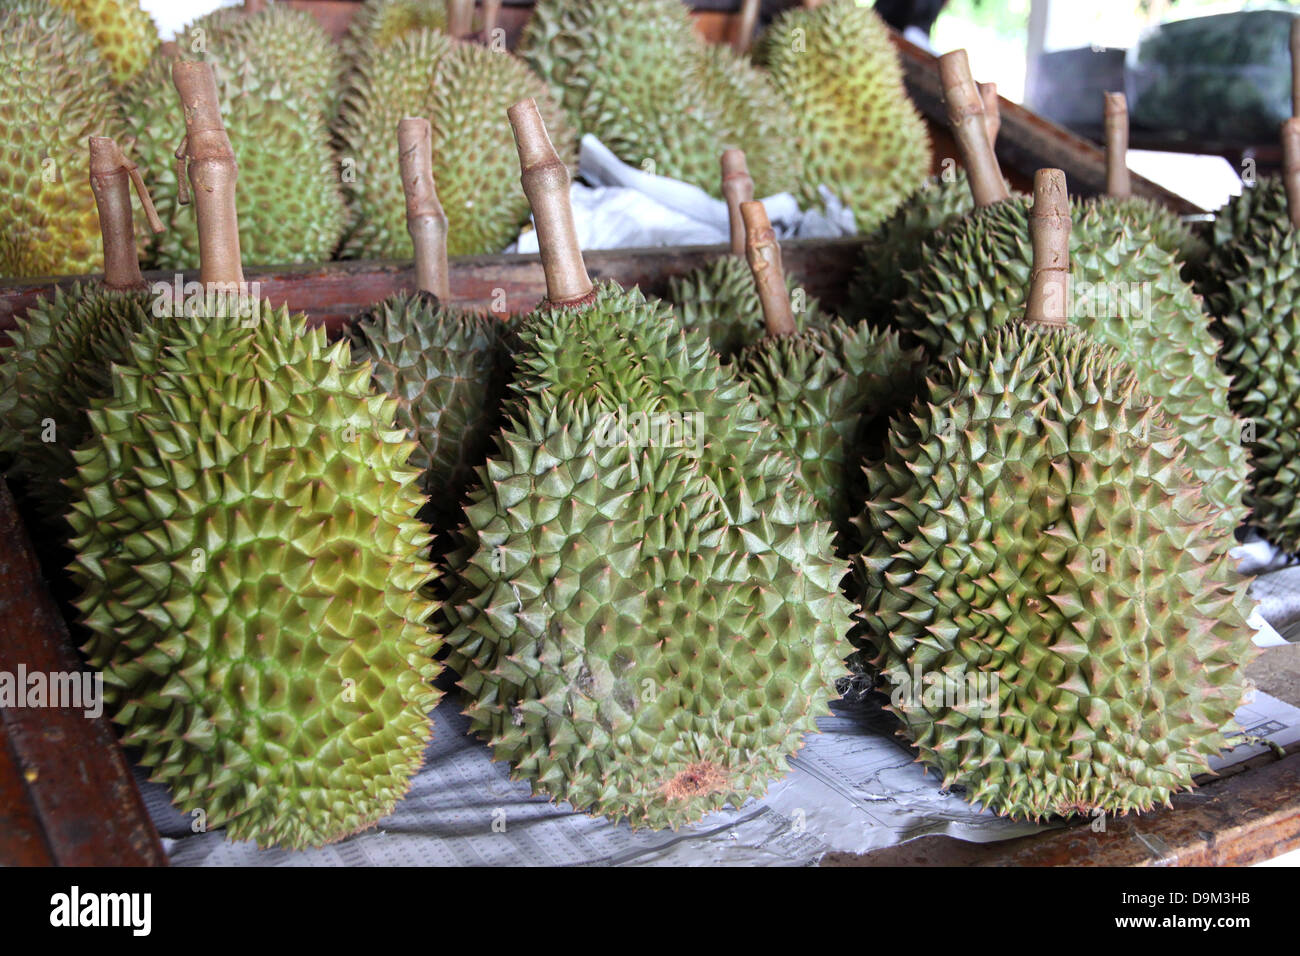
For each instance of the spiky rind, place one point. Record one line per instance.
(55, 93)
(720, 300)
(1256, 259)
(1126, 292)
(858, 133)
(274, 72)
(657, 95)
(250, 572)
(447, 369)
(58, 363)
(827, 390)
(1044, 588)
(464, 89)
(124, 34)
(644, 628)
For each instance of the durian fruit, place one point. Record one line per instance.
(124, 33)
(463, 88)
(659, 96)
(1256, 259)
(248, 557)
(857, 132)
(446, 367)
(275, 70)
(55, 92)
(647, 617)
(1128, 294)
(1048, 599)
(897, 245)
(827, 389)
(718, 297)
(60, 353)
(377, 24)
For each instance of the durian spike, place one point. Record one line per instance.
(425, 219)
(966, 116)
(212, 173)
(1295, 67)
(764, 255)
(746, 20)
(460, 17)
(110, 183)
(546, 184)
(992, 111)
(737, 188)
(1291, 168)
(1049, 232)
(1118, 182)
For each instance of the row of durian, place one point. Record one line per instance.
(312, 119)
(646, 623)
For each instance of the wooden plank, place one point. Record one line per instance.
(74, 776)
(333, 292)
(1027, 141)
(1247, 816)
(22, 839)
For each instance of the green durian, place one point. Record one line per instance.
(447, 369)
(1045, 592)
(59, 361)
(898, 244)
(856, 131)
(250, 570)
(377, 24)
(1128, 294)
(657, 95)
(55, 92)
(643, 630)
(1255, 259)
(274, 73)
(124, 33)
(463, 89)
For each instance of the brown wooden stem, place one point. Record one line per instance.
(491, 13)
(1118, 182)
(764, 255)
(1049, 230)
(546, 184)
(110, 181)
(1291, 167)
(966, 115)
(737, 188)
(212, 173)
(460, 17)
(425, 220)
(746, 21)
(992, 112)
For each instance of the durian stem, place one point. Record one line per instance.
(737, 188)
(1118, 182)
(746, 20)
(460, 17)
(254, 6)
(1291, 168)
(425, 220)
(111, 184)
(992, 112)
(966, 116)
(546, 184)
(764, 255)
(1295, 67)
(491, 12)
(1049, 231)
(212, 173)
